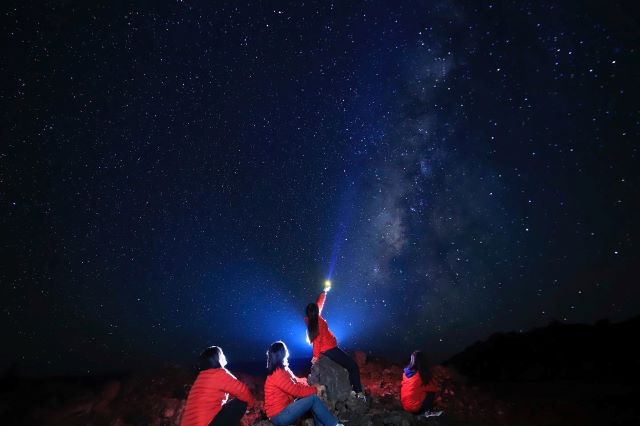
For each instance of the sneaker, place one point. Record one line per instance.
(433, 413)
(362, 396)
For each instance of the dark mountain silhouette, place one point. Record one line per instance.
(603, 352)
(562, 374)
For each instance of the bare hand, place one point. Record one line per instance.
(320, 389)
(314, 360)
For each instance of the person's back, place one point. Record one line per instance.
(208, 402)
(413, 391)
(325, 339)
(280, 389)
(210, 394)
(418, 388)
(206, 398)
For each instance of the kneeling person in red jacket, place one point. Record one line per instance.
(208, 402)
(418, 389)
(287, 397)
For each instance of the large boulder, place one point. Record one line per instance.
(333, 376)
(263, 423)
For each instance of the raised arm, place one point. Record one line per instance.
(320, 301)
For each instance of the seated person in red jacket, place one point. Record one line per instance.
(325, 343)
(287, 397)
(418, 389)
(208, 402)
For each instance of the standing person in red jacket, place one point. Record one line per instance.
(287, 397)
(418, 389)
(325, 343)
(208, 402)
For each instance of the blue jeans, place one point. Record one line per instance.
(321, 415)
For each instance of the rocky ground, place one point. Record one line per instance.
(159, 400)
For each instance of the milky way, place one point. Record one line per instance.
(182, 175)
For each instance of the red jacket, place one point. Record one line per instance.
(413, 392)
(325, 339)
(209, 393)
(281, 388)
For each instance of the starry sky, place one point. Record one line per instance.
(185, 173)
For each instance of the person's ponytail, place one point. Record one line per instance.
(312, 321)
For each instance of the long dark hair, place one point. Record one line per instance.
(312, 312)
(277, 356)
(210, 358)
(421, 364)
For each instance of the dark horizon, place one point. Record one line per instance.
(180, 175)
(299, 364)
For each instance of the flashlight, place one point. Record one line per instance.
(327, 285)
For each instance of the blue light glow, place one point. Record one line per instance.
(264, 307)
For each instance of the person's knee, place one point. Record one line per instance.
(315, 399)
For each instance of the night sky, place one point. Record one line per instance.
(180, 174)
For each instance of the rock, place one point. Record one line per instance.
(372, 420)
(382, 417)
(109, 392)
(171, 407)
(263, 423)
(360, 358)
(357, 406)
(72, 410)
(399, 418)
(157, 400)
(254, 414)
(333, 376)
